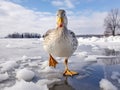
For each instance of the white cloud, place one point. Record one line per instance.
(15, 18)
(91, 24)
(64, 3)
(57, 3)
(69, 4)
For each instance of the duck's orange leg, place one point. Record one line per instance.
(68, 72)
(52, 61)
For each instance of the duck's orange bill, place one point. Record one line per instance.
(60, 22)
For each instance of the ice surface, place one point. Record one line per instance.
(107, 85)
(47, 82)
(9, 65)
(91, 58)
(26, 60)
(50, 72)
(25, 74)
(82, 54)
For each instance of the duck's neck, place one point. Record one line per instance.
(62, 31)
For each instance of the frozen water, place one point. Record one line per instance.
(25, 60)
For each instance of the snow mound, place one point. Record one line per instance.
(107, 85)
(9, 65)
(23, 85)
(25, 74)
(4, 76)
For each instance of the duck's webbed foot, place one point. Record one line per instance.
(52, 62)
(68, 72)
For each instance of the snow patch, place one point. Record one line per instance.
(8, 45)
(116, 76)
(33, 64)
(49, 69)
(23, 85)
(4, 76)
(25, 74)
(82, 54)
(91, 58)
(9, 65)
(24, 57)
(107, 85)
(44, 64)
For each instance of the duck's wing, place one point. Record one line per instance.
(47, 33)
(72, 33)
(74, 39)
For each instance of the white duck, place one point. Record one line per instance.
(60, 42)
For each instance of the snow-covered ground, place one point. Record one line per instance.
(24, 64)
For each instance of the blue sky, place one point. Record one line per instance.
(84, 16)
(74, 5)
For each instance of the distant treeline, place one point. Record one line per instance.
(90, 35)
(23, 35)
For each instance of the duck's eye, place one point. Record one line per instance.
(64, 14)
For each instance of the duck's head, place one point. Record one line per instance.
(61, 18)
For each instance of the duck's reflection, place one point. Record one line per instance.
(111, 52)
(113, 57)
(63, 85)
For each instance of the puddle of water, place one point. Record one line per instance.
(89, 78)
(86, 80)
